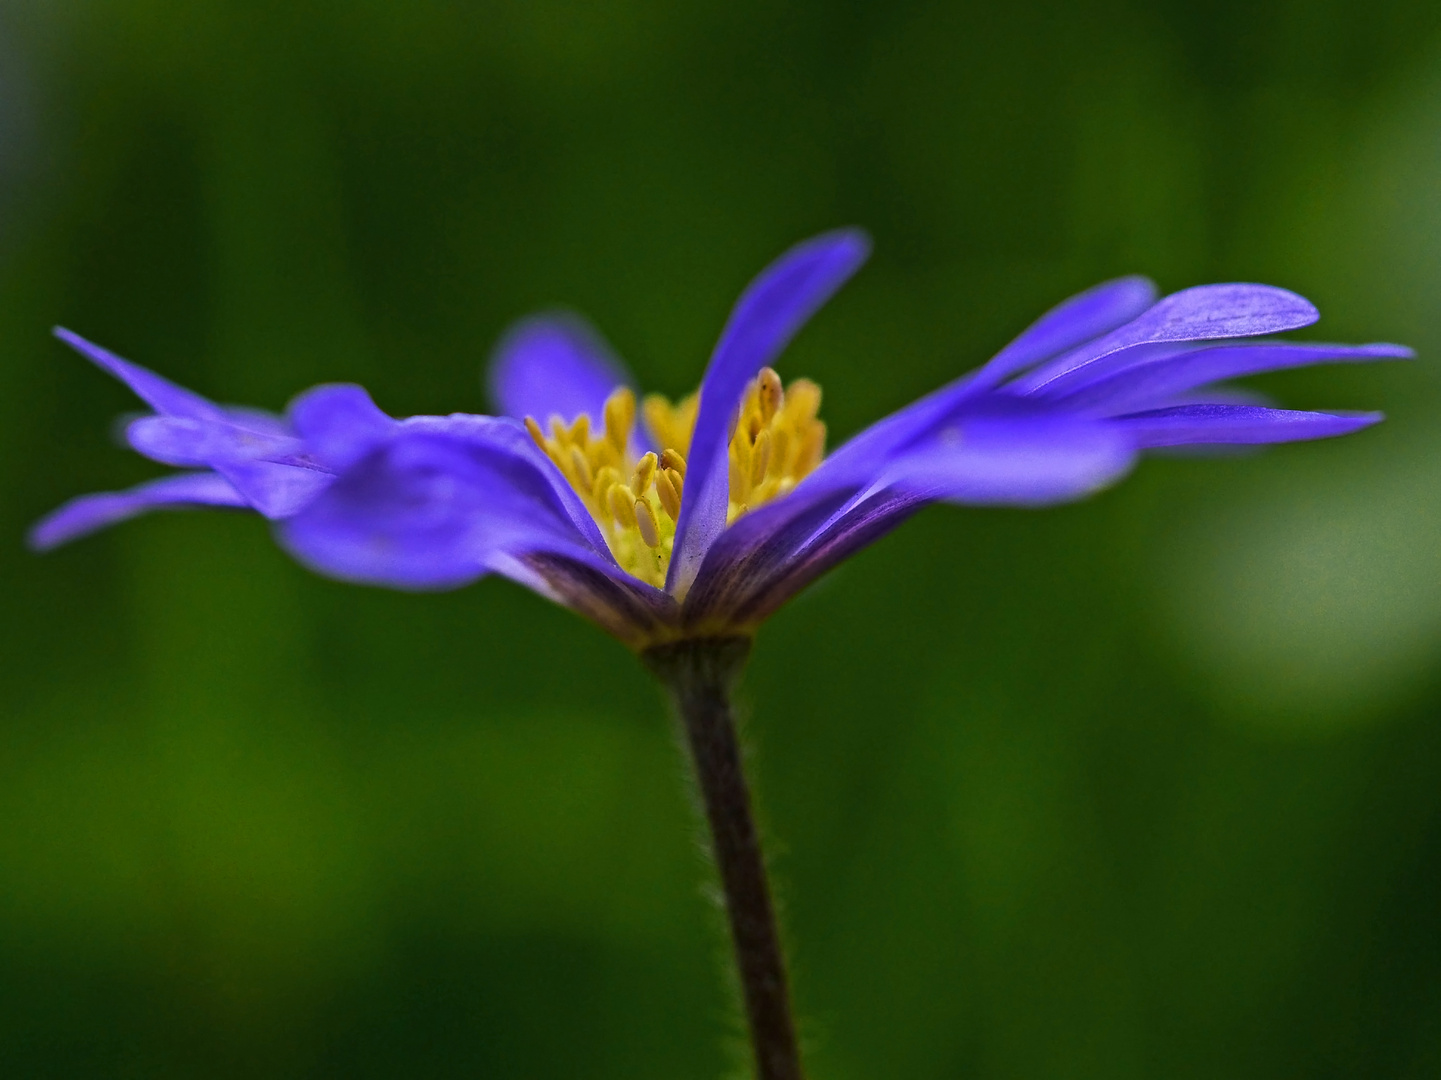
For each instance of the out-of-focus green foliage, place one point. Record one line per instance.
(1149, 786)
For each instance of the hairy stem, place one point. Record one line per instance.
(699, 675)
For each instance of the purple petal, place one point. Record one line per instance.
(181, 441)
(160, 394)
(1003, 454)
(995, 449)
(1081, 318)
(1097, 311)
(1203, 313)
(273, 489)
(1186, 424)
(90, 512)
(430, 510)
(339, 424)
(553, 365)
(514, 439)
(1155, 381)
(772, 553)
(624, 607)
(768, 314)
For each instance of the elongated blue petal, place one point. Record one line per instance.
(1079, 320)
(1203, 313)
(768, 314)
(553, 365)
(1247, 424)
(1149, 382)
(162, 395)
(91, 512)
(1083, 317)
(1006, 454)
(174, 440)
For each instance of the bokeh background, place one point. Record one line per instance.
(1148, 786)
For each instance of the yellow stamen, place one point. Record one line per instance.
(760, 457)
(668, 491)
(644, 474)
(769, 393)
(583, 472)
(622, 505)
(671, 425)
(673, 461)
(740, 468)
(775, 442)
(646, 524)
(619, 416)
(580, 430)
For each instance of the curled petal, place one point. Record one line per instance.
(91, 512)
(555, 364)
(162, 395)
(768, 314)
(1097, 311)
(1203, 313)
(1245, 424)
(339, 424)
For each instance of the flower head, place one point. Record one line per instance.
(664, 521)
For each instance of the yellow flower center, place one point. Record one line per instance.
(636, 502)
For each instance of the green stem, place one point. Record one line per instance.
(699, 675)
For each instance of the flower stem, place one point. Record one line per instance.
(699, 674)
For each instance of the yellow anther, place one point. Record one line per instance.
(580, 430)
(645, 523)
(619, 414)
(669, 492)
(644, 473)
(535, 432)
(677, 481)
(622, 505)
(769, 394)
(740, 469)
(780, 449)
(760, 457)
(671, 425)
(604, 480)
(583, 472)
(671, 459)
(813, 448)
(803, 401)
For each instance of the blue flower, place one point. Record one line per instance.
(722, 506)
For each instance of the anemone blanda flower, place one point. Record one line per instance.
(722, 506)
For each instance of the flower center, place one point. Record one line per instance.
(636, 502)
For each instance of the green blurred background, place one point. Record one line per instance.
(1144, 787)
